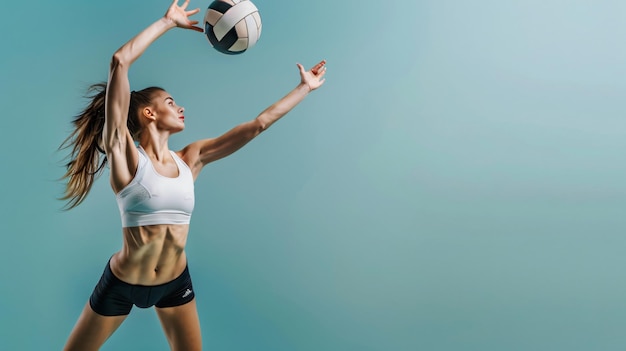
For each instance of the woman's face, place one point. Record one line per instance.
(168, 115)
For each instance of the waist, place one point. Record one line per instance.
(144, 283)
(151, 255)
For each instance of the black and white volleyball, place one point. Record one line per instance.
(232, 26)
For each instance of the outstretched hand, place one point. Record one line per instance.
(179, 16)
(313, 78)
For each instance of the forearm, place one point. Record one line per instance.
(135, 47)
(209, 150)
(283, 106)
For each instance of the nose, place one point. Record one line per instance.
(182, 109)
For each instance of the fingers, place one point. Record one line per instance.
(321, 72)
(321, 65)
(315, 77)
(301, 68)
(317, 69)
(192, 25)
(185, 4)
(318, 66)
(197, 29)
(192, 12)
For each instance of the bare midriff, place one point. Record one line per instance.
(151, 255)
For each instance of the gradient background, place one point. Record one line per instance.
(457, 183)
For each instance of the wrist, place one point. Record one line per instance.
(167, 22)
(304, 87)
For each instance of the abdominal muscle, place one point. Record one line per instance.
(151, 255)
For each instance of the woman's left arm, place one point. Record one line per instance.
(202, 152)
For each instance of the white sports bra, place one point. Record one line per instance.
(151, 198)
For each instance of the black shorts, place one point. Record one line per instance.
(113, 297)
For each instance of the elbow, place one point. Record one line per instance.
(262, 123)
(112, 142)
(261, 127)
(258, 125)
(118, 60)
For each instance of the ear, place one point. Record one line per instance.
(148, 113)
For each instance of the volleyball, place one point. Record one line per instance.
(232, 26)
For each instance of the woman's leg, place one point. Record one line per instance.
(92, 330)
(182, 326)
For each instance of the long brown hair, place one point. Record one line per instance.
(87, 157)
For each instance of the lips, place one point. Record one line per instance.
(182, 118)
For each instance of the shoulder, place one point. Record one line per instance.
(190, 155)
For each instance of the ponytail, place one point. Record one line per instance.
(87, 158)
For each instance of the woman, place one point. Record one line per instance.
(154, 190)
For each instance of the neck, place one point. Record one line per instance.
(155, 145)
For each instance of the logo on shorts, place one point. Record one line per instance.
(187, 293)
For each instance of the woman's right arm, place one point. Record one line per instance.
(118, 142)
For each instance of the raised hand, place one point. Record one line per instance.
(313, 78)
(180, 16)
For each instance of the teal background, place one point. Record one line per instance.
(457, 183)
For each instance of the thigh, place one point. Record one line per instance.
(182, 326)
(92, 330)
